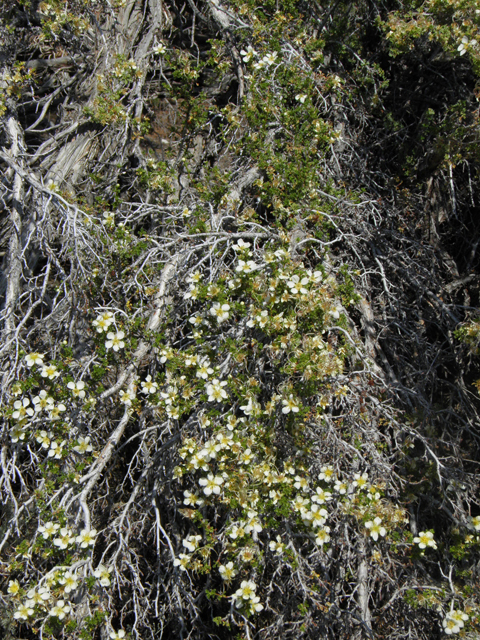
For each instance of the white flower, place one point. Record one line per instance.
(216, 391)
(301, 97)
(270, 58)
(195, 320)
(115, 340)
(204, 369)
(277, 546)
(23, 612)
(34, 358)
(320, 496)
(39, 596)
(59, 610)
(326, 473)
(476, 523)
(210, 450)
(50, 371)
(360, 481)
(127, 396)
(253, 524)
(375, 528)
(70, 581)
(117, 635)
(462, 48)
(103, 574)
(159, 49)
(54, 412)
(191, 499)
(191, 542)
(13, 587)
(211, 484)
(335, 312)
(43, 401)
(458, 617)
(297, 285)
(252, 408)
(148, 386)
(83, 445)
(245, 266)
(220, 311)
(425, 539)
(77, 389)
(182, 561)
(17, 433)
(56, 450)
(322, 536)
(290, 404)
(103, 321)
(86, 538)
(48, 529)
(450, 625)
(341, 487)
(227, 571)
(247, 54)
(317, 516)
(22, 409)
(246, 591)
(65, 540)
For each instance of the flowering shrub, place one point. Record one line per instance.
(201, 433)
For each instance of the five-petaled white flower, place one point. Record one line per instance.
(322, 536)
(13, 587)
(69, 581)
(38, 596)
(65, 540)
(22, 409)
(301, 97)
(476, 523)
(59, 610)
(23, 612)
(290, 404)
(277, 546)
(149, 386)
(127, 396)
(54, 412)
(220, 312)
(204, 369)
(425, 539)
(103, 574)
(56, 450)
(182, 561)
(159, 49)
(191, 542)
(245, 266)
(246, 591)
(48, 529)
(227, 571)
(115, 340)
(454, 621)
(211, 484)
(43, 401)
(86, 538)
(216, 391)
(77, 389)
(103, 321)
(34, 358)
(248, 53)
(83, 445)
(375, 528)
(50, 371)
